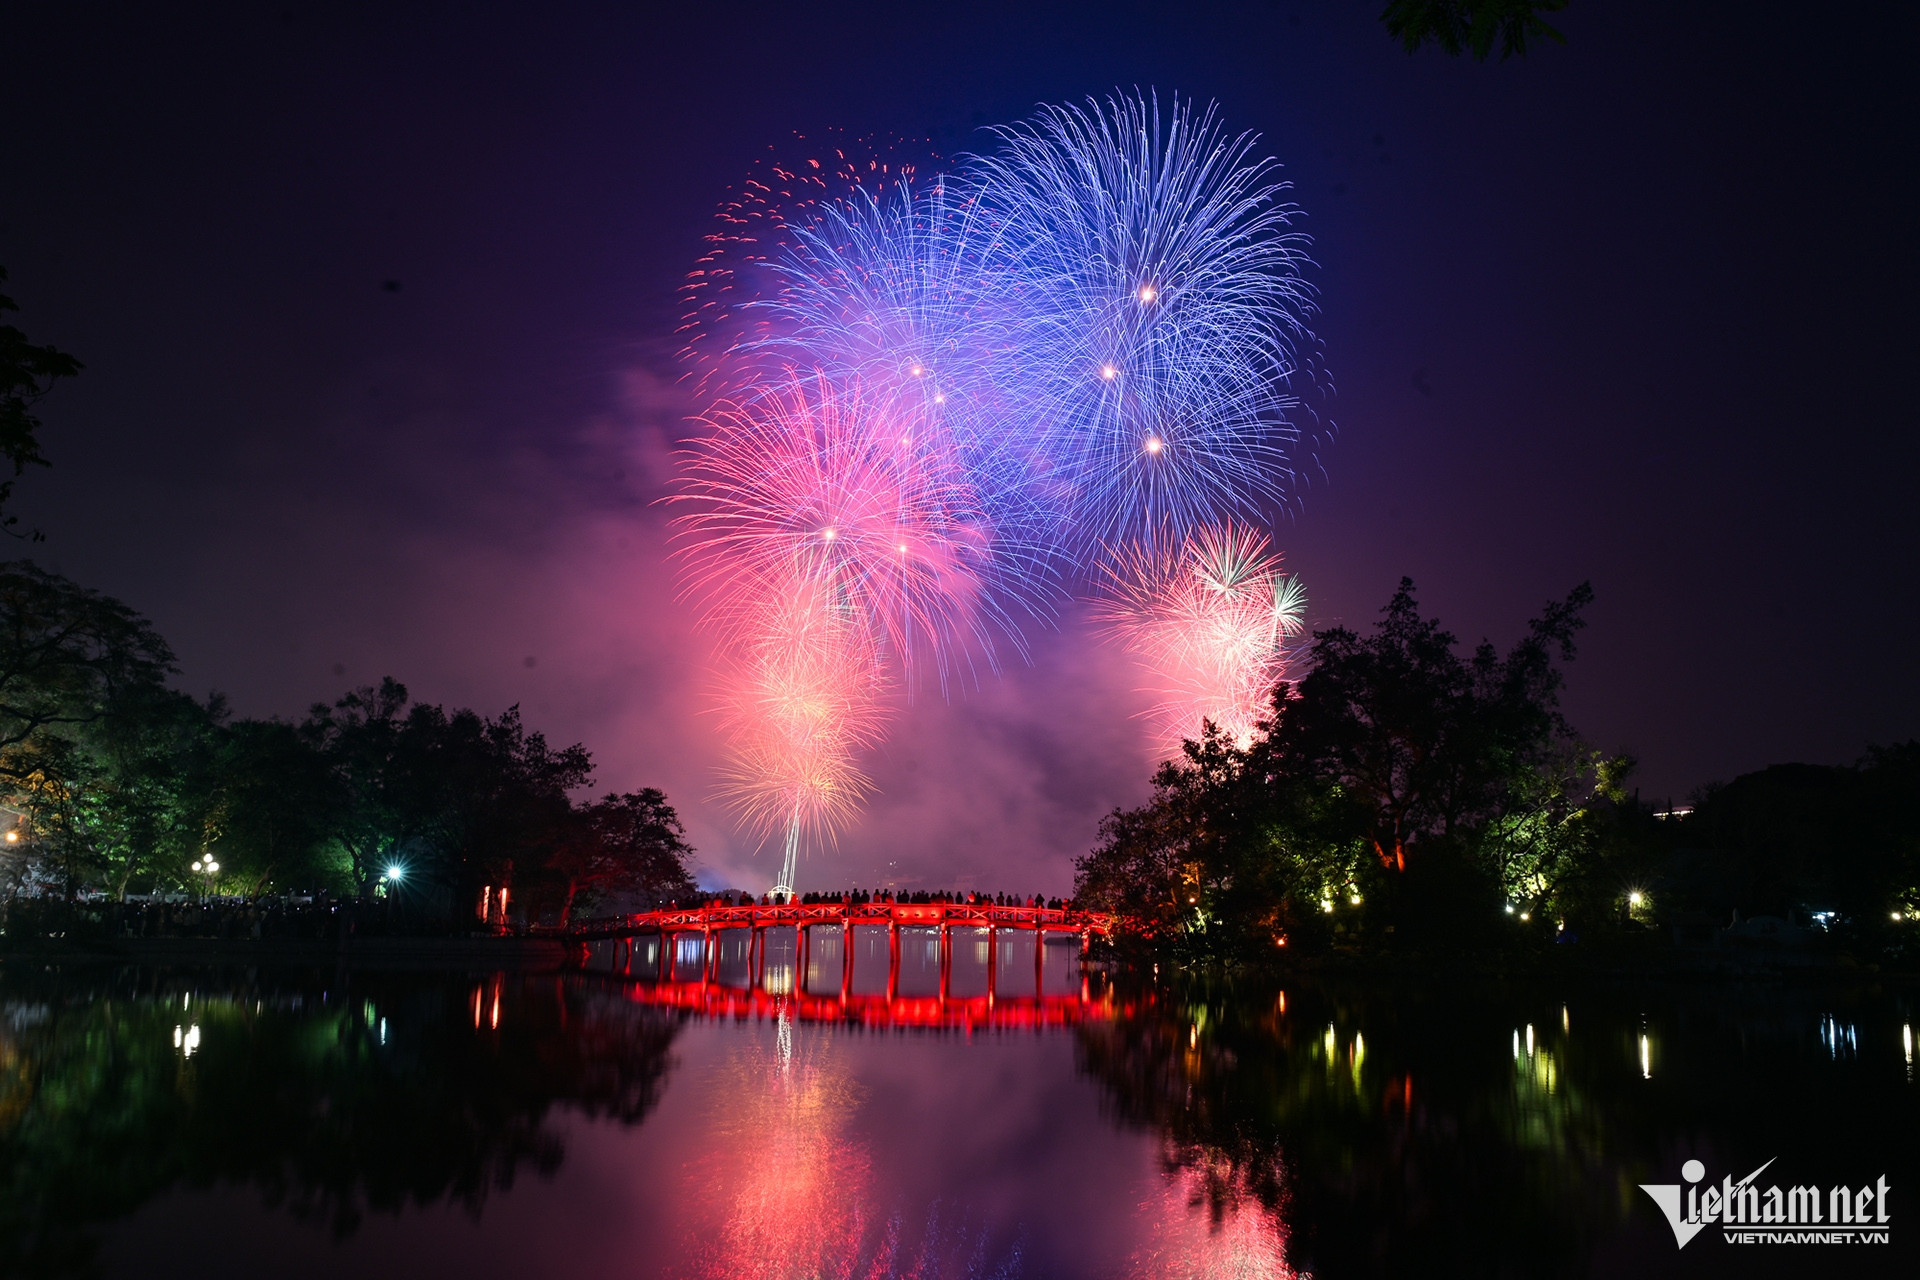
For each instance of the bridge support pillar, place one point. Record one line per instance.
(945, 958)
(756, 956)
(893, 961)
(800, 959)
(1039, 960)
(846, 959)
(993, 959)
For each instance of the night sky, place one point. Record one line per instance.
(377, 307)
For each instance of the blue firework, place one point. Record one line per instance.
(1156, 277)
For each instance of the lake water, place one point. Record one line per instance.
(211, 1123)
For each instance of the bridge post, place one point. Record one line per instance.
(893, 960)
(710, 958)
(846, 957)
(993, 958)
(944, 940)
(1039, 958)
(1086, 944)
(756, 955)
(800, 958)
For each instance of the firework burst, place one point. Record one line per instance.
(1163, 311)
(1211, 619)
(941, 401)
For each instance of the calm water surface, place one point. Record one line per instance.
(226, 1123)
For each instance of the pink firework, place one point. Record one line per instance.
(805, 697)
(812, 482)
(1211, 620)
(833, 541)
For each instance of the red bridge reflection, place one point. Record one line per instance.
(653, 948)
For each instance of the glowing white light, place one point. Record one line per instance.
(939, 397)
(916, 371)
(1526, 915)
(1154, 444)
(1108, 372)
(1509, 908)
(196, 866)
(1355, 899)
(1529, 1039)
(13, 837)
(1148, 293)
(394, 873)
(1633, 899)
(828, 534)
(1646, 1058)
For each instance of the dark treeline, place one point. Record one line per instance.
(1406, 797)
(119, 785)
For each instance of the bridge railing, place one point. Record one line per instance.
(903, 915)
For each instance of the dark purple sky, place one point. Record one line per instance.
(1639, 310)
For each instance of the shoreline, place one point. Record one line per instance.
(525, 954)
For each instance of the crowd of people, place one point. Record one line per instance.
(918, 897)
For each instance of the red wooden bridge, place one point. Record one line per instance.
(611, 942)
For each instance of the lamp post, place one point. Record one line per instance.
(208, 868)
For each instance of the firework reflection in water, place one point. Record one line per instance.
(796, 1192)
(1211, 620)
(1205, 1225)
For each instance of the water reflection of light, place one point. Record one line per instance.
(1906, 1046)
(1206, 1225)
(785, 1192)
(1839, 1039)
(793, 1190)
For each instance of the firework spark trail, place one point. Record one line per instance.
(1164, 312)
(1211, 619)
(806, 698)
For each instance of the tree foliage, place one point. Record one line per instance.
(1472, 26)
(1399, 773)
(27, 372)
(122, 784)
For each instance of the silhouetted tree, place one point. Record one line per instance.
(1472, 26)
(630, 847)
(27, 372)
(68, 654)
